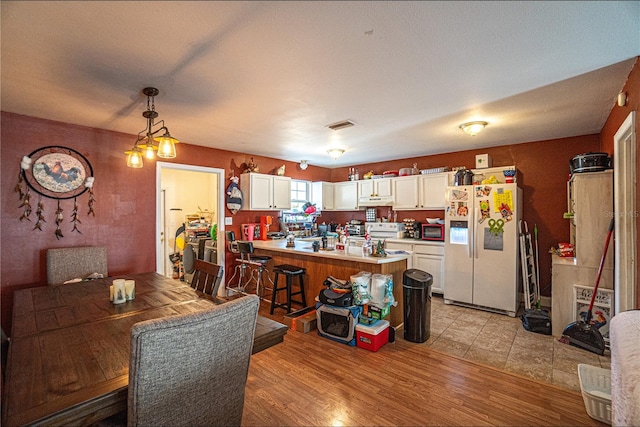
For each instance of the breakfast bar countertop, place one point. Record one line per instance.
(304, 247)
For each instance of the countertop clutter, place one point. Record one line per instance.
(304, 246)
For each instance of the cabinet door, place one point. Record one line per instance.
(260, 191)
(432, 190)
(434, 265)
(406, 192)
(366, 188)
(346, 196)
(322, 195)
(383, 187)
(328, 196)
(281, 192)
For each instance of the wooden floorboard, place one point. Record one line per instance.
(312, 381)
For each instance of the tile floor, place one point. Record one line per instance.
(501, 341)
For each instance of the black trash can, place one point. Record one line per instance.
(417, 305)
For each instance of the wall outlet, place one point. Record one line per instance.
(228, 220)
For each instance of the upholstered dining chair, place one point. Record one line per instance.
(207, 278)
(191, 369)
(65, 264)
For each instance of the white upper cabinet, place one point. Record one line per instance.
(406, 190)
(381, 187)
(420, 191)
(265, 192)
(432, 190)
(322, 195)
(345, 196)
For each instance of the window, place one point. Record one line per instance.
(300, 194)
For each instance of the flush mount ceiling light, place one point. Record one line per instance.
(147, 143)
(335, 152)
(473, 128)
(304, 165)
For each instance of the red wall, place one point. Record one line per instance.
(617, 116)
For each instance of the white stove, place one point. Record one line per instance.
(385, 230)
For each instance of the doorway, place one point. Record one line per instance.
(185, 191)
(625, 209)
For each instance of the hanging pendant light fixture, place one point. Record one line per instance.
(147, 143)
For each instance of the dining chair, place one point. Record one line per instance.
(191, 369)
(65, 264)
(207, 278)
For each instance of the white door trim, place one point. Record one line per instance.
(625, 209)
(159, 207)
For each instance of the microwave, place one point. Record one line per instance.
(433, 232)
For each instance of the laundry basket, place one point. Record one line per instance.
(595, 385)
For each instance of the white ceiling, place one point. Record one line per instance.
(266, 78)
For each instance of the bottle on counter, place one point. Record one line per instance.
(357, 175)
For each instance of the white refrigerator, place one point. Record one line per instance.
(481, 246)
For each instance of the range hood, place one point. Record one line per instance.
(375, 201)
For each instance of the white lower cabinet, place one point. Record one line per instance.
(425, 256)
(431, 259)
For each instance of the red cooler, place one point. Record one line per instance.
(374, 336)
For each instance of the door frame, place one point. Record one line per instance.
(625, 211)
(160, 214)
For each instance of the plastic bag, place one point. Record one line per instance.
(360, 287)
(382, 290)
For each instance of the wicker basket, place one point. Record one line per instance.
(595, 385)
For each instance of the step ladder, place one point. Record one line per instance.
(530, 286)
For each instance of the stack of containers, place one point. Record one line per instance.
(372, 292)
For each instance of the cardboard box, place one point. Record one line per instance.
(290, 319)
(372, 337)
(377, 312)
(307, 322)
(483, 161)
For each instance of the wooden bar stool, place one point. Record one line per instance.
(289, 271)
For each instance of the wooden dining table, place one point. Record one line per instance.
(68, 360)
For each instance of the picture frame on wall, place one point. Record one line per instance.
(58, 172)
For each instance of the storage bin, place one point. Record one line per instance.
(595, 385)
(337, 323)
(374, 336)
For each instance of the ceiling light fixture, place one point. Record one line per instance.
(147, 143)
(304, 165)
(473, 128)
(335, 152)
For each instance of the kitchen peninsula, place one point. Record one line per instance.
(338, 264)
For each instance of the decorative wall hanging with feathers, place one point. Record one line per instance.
(58, 173)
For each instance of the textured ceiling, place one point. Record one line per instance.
(266, 78)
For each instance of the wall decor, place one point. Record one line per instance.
(58, 173)
(234, 195)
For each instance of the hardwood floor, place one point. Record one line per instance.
(310, 380)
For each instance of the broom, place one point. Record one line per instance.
(582, 333)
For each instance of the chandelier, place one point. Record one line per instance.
(147, 143)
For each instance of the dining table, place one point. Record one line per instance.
(68, 361)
